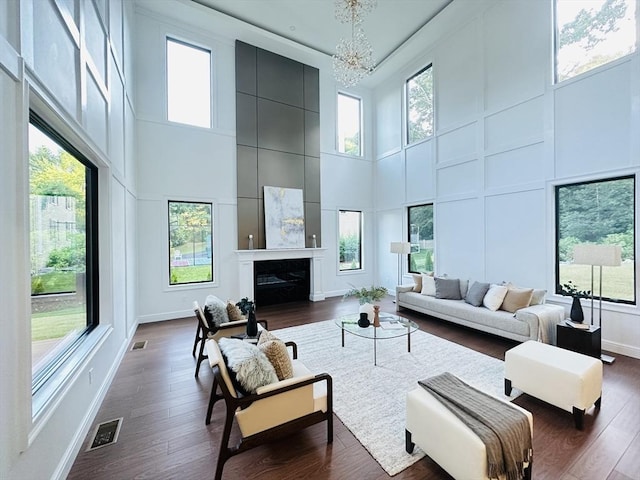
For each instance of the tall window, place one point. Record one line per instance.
(63, 250)
(190, 242)
(349, 125)
(420, 222)
(598, 212)
(188, 84)
(590, 33)
(350, 238)
(419, 107)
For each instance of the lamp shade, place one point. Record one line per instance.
(401, 247)
(599, 255)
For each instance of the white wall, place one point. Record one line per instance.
(505, 136)
(179, 162)
(77, 76)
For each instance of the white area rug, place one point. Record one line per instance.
(371, 400)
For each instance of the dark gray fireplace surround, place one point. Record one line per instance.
(278, 138)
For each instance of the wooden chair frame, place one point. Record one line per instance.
(266, 436)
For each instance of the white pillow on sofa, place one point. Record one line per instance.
(495, 296)
(428, 285)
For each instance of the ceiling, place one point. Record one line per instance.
(312, 22)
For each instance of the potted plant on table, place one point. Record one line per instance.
(366, 297)
(570, 290)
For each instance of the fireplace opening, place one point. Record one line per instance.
(281, 281)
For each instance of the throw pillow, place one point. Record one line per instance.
(448, 288)
(276, 352)
(538, 297)
(516, 298)
(417, 282)
(494, 296)
(233, 312)
(476, 293)
(217, 311)
(250, 366)
(428, 285)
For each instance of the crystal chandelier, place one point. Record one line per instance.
(354, 58)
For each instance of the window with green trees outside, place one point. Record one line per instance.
(63, 250)
(591, 33)
(419, 105)
(190, 242)
(420, 223)
(598, 212)
(350, 238)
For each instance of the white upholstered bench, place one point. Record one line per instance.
(566, 379)
(445, 439)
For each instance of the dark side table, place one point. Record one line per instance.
(587, 342)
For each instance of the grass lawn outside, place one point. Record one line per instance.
(53, 282)
(617, 282)
(49, 325)
(190, 274)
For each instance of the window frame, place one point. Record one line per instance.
(556, 195)
(361, 238)
(213, 250)
(407, 140)
(360, 123)
(92, 284)
(408, 217)
(172, 38)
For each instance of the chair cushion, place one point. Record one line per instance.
(249, 368)
(233, 312)
(276, 352)
(215, 311)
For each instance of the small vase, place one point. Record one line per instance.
(376, 316)
(368, 309)
(576, 314)
(252, 324)
(363, 321)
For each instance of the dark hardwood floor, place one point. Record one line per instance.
(164, 436)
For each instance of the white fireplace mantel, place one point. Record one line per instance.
(247, 257)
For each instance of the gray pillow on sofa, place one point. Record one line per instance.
(448, 288)
(476, 293)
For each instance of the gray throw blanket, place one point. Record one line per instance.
(503, 429)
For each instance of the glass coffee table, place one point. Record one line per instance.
(391, 326)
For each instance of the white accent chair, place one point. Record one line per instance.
(274, 410)
(569, 380)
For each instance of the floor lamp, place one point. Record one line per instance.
(600, 256)
(401, 248)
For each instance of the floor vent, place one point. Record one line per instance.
(106, 434)
(139, 345)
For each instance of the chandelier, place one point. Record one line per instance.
(354, 58)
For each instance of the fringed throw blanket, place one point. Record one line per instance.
(503, 429)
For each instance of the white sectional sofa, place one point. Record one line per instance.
(534, 322)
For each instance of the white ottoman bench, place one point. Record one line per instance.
(566, 379)
(445, 439)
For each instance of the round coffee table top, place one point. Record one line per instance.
(391, 326)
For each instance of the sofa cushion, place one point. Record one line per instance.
(538, 297)
(448, 288)
(476, 293)
(428, 285)
(494, 296)
(248, 366)
(417, 282)
(276, 352)
(516, 298)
